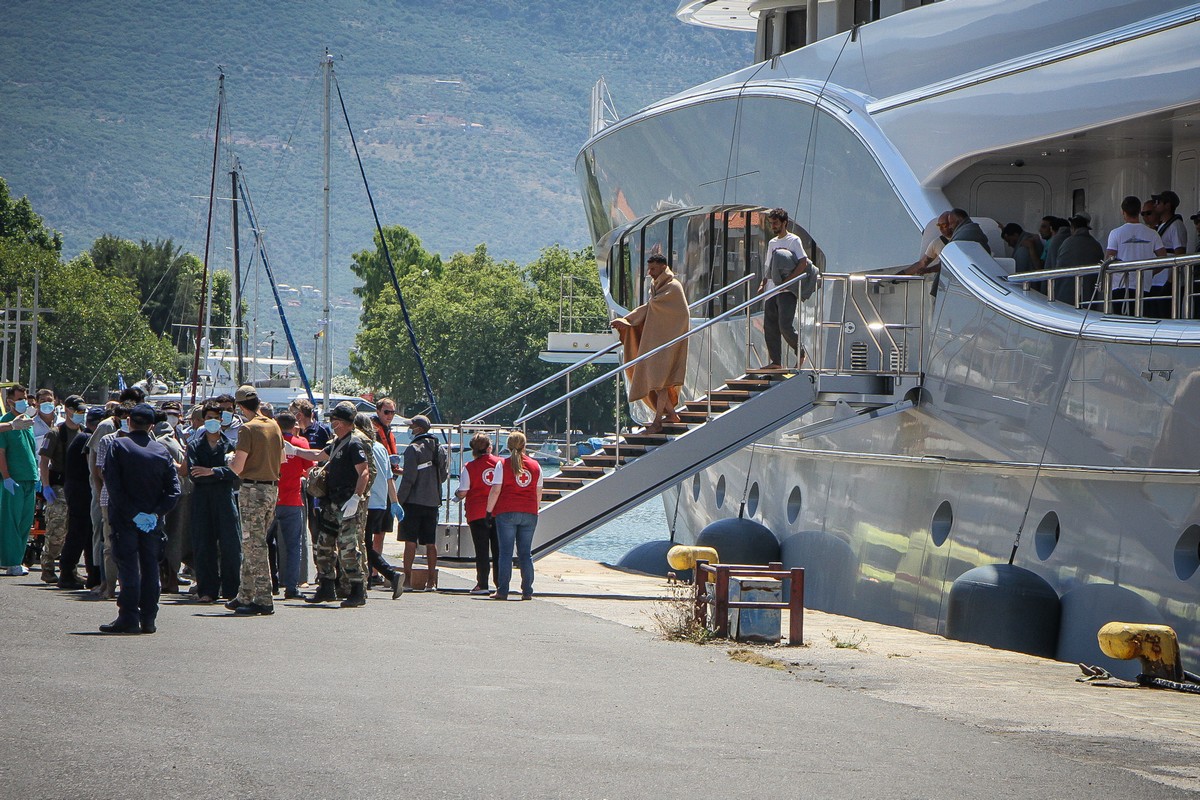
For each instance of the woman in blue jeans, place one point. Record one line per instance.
(514, 500)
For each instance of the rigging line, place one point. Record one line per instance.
(260, 244)
(412, 334)
(1075, 340)
(284, 161)
(212, 191)
(812, 124)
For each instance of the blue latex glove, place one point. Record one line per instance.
(11, 485)
(49, 493)
(397, 511)
(145, 522)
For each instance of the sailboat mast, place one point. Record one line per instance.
(235, 311)
(212, 196)
(327, 66)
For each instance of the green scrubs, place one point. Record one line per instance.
(16, 510)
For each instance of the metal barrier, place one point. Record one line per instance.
(719, 603)
(885, 345)
(1093, 286)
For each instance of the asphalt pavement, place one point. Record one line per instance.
(443, 695)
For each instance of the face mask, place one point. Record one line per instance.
(226, 418)
(212, 425)
(21, 406)
(173, 420)
(79, 419)
(125, 425)
(46, 408)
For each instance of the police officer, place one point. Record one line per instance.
(143, 485)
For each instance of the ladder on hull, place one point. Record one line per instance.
(640, 466)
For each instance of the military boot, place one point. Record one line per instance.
(49, 575)
(325, 593)
(357, 597)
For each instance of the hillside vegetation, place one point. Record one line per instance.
(469, 116)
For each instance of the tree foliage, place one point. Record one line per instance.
(480, 324)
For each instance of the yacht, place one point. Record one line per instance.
(950, 421)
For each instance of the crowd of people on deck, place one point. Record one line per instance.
(1150, 229)
(222, 503)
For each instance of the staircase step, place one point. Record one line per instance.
(550, 495)
(701, 405)
(644, 439)
(770, 374)
(599, 460)
(694, 416)
(563, 483)
(732, 395)
(752, 384)
(628, 448)
(580, 471)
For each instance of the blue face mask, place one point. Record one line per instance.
(79, 419)
(212, 425)
(46, 408)
(125, 425)
(226, 417)
(21, 406)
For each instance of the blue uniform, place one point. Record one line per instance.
(141, 479)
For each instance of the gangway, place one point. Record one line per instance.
(866, 351)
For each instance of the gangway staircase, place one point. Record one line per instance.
(640, 466)
(861, 366)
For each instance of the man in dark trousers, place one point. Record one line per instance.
(143, 485)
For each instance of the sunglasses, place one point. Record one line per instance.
(388, 411)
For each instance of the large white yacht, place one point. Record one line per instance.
(974, 422)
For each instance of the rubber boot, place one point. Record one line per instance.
(325, 593)
(357, 597)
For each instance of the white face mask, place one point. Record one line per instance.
(21, 406)
(173, 420)
(212, 425)
(79, 419)
(226, 417)
(125, 425)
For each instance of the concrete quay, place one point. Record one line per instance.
(443, 695)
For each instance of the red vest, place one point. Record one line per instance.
(479, 473)
(517, 497)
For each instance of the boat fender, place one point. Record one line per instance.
(740, 541)
(1006, 607)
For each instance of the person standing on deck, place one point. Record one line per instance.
(662, 318)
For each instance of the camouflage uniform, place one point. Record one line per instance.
(340, 541)
(55, 515)
(256, 509)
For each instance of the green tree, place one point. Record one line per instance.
(18, 221)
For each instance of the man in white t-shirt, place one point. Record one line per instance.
(779, 311)
(1132, 241)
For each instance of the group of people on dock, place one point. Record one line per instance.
(153, 500)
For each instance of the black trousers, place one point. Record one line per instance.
(137, 553)
(377, 520)
(487, 546)
(78, 542)
(779, 320)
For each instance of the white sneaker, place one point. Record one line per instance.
(17, 571)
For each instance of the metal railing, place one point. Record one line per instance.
(593, 357)
(617, 371)
(887, 333)
(1093, 286)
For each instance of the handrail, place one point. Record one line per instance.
(1037, 276)
(621, 368)
(595, 356)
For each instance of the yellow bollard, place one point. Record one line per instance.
(683, 556)
(1156, 645)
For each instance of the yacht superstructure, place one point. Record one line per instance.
(981, 422)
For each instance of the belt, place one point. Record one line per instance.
(264, 483)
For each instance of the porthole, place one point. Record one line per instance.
(720, 493)
(1187, 553)
(795, 500)
(943, 521)
(696, 486)
(1045, 539)
(752, 500)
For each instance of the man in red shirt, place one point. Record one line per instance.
(289, 511)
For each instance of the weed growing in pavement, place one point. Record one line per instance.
(674, 617)
(747, 656)
(855, 641)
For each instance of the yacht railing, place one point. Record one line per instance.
(617, 371)
(1085, 294)
(841, 349)
(594, 357)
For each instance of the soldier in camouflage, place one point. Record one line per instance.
(256, 460)
(53, 457)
